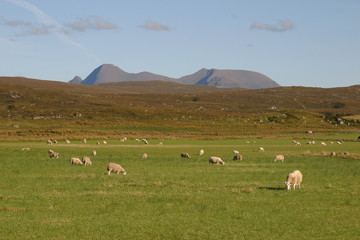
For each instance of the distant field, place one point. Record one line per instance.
(166, 197)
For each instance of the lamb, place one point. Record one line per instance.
(54, 154)
(86, 161)
(261, 149)
(144, 156)
(94, 153)
(185, 155)
(201, 152)
(216, 160)
(75, 160)
(279, 158)
(238, 156)
(293, 179)
(117, 168)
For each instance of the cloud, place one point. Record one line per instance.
(92, 23)
(282, 26)
(154, 26)
(14, 23)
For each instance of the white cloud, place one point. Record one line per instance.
(282, 26)
(154, 26)
(92, 23)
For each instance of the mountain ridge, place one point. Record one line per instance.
(211, 77)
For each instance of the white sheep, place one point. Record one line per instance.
(49, 142)
(117, 168)
(84, 140)
(201, 152)
(279, 158)
(67, 141)
(238, 156)
(144, 156)
(323, 144)
(236, 151)
(75, 160)
(216, 160)
(185, 155)
(145, 141)
(86, 161)
(261, 149)
(54, 154)
(105, 142)
(94, 153)
(293, 179)
(26, 149)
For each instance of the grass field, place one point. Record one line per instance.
(166, 197)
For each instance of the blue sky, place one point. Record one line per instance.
(294, 42)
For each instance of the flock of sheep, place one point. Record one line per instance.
(293, 179)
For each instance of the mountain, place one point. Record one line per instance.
(76, 80)
(210, 77)
(229, 79)
(111, 73)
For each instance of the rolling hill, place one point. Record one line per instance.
(50, 109)
(211, 77)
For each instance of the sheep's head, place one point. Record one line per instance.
(288, 185)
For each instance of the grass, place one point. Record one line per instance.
(166, 197)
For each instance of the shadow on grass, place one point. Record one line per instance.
(272, 188)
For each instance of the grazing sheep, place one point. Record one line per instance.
(94, 153)
(75, 160)
(185, 155)
(279, 158)
(216, 160)
(339, 142)
(323, 144)
(105, 142)
(236, 151)
(26, 149)
(261, 149)
(97, 143)
(238, 156)
(117, 168)
(84, 140)
(144, 156)
(137, 140)
(67, 141)
(54, 154)
(333, 154)
(201, 152)
(144, 141)
(49, 142)
(86, 161)
(293, 179)
(50, 151)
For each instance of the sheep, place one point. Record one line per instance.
(105, 142)
(144, 156)
(238, 156)
(279, 158)
(117, 168)
(75, 160)
(50, 151)
(261, 149)
(216, 160)
(201, 152)
(236, 151)
(160, 143)
(94, 153)
(55, 141)
(67, 141)
(145, 141)
(137, 140)
(98, 143)
(185, 155)
(26, 149)
(49, 142)
(86, 161)
(84, 140)
(293, 179)
(333, 154)
(54, 154)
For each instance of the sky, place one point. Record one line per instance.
(312, 43)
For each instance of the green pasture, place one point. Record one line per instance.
(167, 197)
